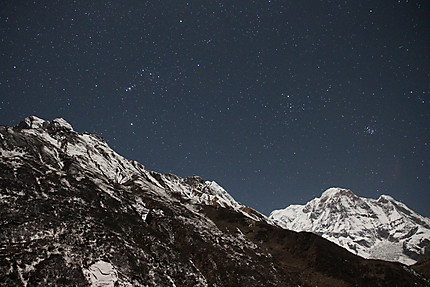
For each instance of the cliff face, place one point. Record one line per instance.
(74, 212)
(380, 228)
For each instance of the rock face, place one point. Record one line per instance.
(75, 213)
(381, 229)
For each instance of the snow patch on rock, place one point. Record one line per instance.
(101, 273)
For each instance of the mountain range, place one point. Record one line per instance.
(380, 228)
(75, 213)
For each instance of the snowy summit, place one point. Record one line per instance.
(381, 229)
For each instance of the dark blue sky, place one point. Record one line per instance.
(274, 100)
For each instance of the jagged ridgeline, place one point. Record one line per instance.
(75, 213)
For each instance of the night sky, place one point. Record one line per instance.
(274, 100)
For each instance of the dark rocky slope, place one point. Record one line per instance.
(423, 267)
(73, 212)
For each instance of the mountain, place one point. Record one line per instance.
(383, 229)
(75, 213)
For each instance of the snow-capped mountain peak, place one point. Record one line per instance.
(61, 123)
(34, 122)
(93, 156)
(333, 191)
(382, 229)
(385, 197)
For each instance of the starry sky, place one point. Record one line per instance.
(274, 100)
